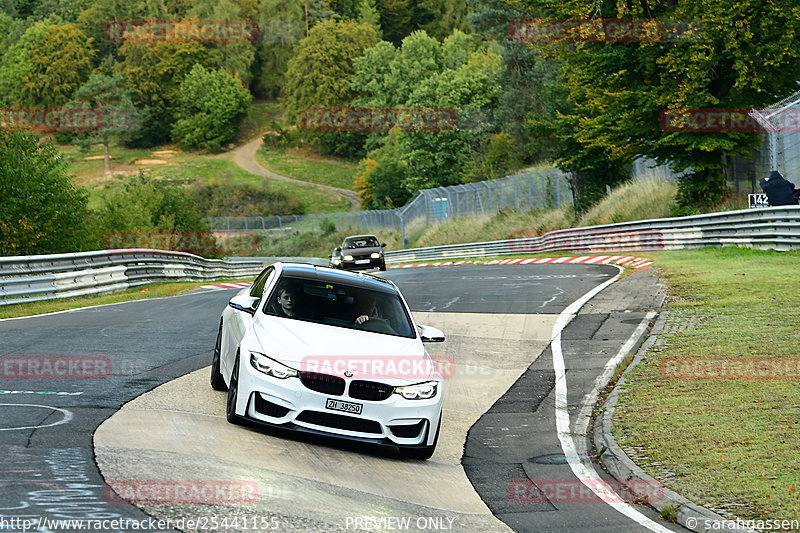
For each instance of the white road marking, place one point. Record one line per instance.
(67, 416)
(582, 468)
(40, 392)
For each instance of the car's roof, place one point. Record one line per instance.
(319, 273)
(360, 236)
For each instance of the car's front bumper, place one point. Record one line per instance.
(362, 263)
(288, 403)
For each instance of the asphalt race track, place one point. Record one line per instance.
(135, 404)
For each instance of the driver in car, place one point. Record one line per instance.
(368, 309)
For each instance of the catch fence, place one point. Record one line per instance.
(531, 190)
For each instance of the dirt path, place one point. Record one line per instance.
(245, 157)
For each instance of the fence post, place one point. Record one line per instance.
(558, 192)
(402, 231)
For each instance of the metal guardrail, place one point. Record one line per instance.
(46, 277)
(774, 228)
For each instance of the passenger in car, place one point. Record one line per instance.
(287, 299)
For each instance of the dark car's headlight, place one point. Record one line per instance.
(420, 391)
(348, 258)
(271, 367)
(375, 255)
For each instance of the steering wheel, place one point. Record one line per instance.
(377, 325)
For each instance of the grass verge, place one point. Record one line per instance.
(300, 164)
(728, 444)
(153, 290)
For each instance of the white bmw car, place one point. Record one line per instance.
(324, 351)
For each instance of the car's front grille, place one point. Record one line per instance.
(270, 409)
(347, 423)
(407, 432)
(370, 390)
(324, 383)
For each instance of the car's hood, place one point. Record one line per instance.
(335, 350)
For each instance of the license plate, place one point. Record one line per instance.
(347, 407)
(362, 261)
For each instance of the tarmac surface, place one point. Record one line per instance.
(500, 412)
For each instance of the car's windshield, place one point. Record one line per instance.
(361, 242)
(341, 305)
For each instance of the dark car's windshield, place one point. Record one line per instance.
(361, 242)
(338, 304)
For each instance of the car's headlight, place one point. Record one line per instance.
(375, 255)
(271, 367)
(348, 258)
(420, 391)
(337, 261)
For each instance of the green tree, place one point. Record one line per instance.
(46, 66)
(459, 75)
(113, 99)
(440, 18)
(531, 82)
(211, 104)
(146, 204)
(320, 71)
(282, 26)
(317, 11)
(235, 57)
(396, 19)
(319, 76)
(41, 211)
(154, 73)
(346, 9)
(737, 55)
(368, 14)
(439, 158)
(381, 179)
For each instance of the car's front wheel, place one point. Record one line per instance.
(217, 381)
(233, 395)
(383, 267)
(425, 452)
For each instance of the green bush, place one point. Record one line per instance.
(222, 197)
(41, 211)
(211, 105)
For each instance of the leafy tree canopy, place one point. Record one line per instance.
(733, 55)
(319, 73)
(211, 104)
(46, 66)
(41, 211)
(154, 73)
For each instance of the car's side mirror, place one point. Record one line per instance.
(244, 303)
(383, 245)
(338, 248)
(430, 334)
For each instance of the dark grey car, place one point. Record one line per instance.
(359, 252)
